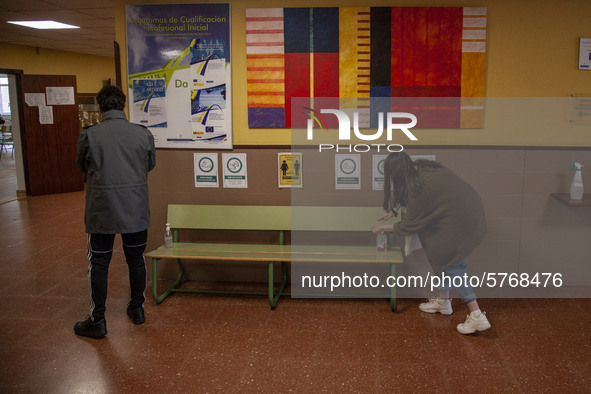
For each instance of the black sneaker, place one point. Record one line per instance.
(91, 329)
(136, 314)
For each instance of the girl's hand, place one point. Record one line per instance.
(386, 216)
(376, 229)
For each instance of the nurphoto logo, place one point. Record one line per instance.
(344, 134)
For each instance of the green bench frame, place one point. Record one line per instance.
(267, 218)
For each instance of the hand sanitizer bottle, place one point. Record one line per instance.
(168, 237)
(382, 242)
(576, 188)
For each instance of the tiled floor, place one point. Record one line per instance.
(230, 344)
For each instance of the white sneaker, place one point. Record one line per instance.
(475, 321)
(434, 305)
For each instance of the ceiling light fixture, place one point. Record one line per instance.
(44, 24)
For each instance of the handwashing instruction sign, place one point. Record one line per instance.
(206, 169)
(178, 60)
(377, 170)
(347, 171)
(234, 170)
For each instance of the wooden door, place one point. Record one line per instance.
(49, 134)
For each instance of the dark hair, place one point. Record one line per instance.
(110, 97)
(400, 177)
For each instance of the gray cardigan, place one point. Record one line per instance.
(116, 157)
(447, 214)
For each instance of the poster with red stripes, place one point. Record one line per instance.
(339, 54)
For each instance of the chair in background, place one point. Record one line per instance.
(6, 140)
(2, 131)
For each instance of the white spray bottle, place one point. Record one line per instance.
(576, 188)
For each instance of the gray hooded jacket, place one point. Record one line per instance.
(116, 157)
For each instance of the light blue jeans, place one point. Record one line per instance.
(464, 290)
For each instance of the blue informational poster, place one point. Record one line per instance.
(149, 102)
(178, 60)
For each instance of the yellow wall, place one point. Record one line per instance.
(90, 70)
(532, 51)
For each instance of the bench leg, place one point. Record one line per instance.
(274, 298)
(393, 289)
(158, 299)
(271, 284)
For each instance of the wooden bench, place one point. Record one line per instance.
(281, 219)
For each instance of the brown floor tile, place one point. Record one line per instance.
(208, 343)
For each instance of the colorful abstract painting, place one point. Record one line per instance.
(362, 53)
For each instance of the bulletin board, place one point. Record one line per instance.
(179, 84)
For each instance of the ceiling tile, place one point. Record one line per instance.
(29, 5)
(84, 4)
(96, 19)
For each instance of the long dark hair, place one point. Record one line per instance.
(400, 177)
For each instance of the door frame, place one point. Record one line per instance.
(19, 146)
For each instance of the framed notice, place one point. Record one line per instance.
(289, 165)
(585, 54)
(377, 172)
(348, 171)
(206, 169)
(235, 174)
